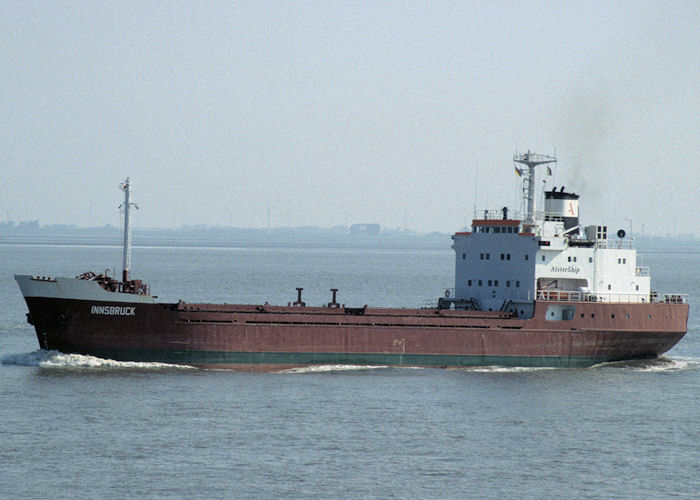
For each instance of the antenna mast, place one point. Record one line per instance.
(126, 207)
(531, 160)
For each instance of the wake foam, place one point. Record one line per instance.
(56, 359)
(332, 368)
(471, 369)
(505, 369)
(661, 364)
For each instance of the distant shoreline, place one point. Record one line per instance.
(259, 239)
(296, 237)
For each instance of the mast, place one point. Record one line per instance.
(126, 207)
(530, 160)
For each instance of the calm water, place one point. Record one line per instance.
(77, 426)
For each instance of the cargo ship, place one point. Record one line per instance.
(534, 290)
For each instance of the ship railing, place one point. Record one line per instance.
(562, 295)
(670, 298)
(496, 214)
(616, 244)
(641, 271)
(429, 304)
(434, 303)
(612, 298)
(539, 215)
(136, 287)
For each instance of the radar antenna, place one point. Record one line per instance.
(530, 160)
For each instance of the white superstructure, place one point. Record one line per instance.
(507, 264)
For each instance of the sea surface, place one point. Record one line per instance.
(75, 426)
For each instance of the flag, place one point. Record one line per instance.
(549, 171)
(519, 173)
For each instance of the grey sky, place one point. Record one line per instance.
(329, 112)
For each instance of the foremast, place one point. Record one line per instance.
(126, 207)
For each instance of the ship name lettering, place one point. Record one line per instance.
(114, 310)
(565, 269)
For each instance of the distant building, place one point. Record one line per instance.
(365, 229)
